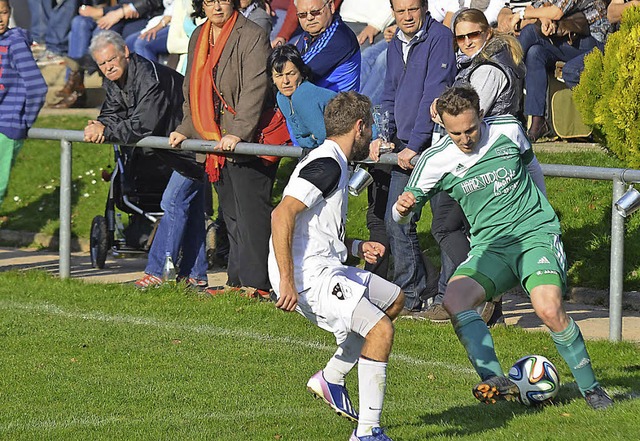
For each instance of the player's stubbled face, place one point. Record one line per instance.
(464, 129)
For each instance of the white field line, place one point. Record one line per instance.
(210, 330)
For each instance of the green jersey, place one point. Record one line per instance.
(492, 184)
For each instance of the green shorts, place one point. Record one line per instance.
(535, 261)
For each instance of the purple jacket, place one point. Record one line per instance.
(410, 89)
(22, 87)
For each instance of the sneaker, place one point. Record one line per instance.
(148, 281)
(377, 434)
(598, 399)
(412, 314)
(193, 283)
(223, 289)
(260, 294)
(48, 58)
(436, 313)
(335, 395)
(496, 388)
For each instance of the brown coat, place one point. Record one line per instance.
(241, 79)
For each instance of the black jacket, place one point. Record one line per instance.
(149, 105)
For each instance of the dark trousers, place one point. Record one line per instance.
(377, 195)
(244, 192)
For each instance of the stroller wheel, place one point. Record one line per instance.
(99, 242)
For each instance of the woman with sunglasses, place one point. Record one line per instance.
(301, 102)
(492, 64)
(225, 90)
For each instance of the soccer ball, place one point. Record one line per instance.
(537, 378)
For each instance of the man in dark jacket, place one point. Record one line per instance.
(420, 65)
(145, 99)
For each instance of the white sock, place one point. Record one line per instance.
(344, 359)
(372, 381)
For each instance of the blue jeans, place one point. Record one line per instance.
(52, 25)
(540, 55)
(409, 270)
(182, 227)
(373, 71)
(84, 28)
(149, 49)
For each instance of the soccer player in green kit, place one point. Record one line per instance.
(488, 166)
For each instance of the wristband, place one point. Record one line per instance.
(355, 247)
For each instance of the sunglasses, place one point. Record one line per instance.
(313, 13)
(220, 2)
(471, 36)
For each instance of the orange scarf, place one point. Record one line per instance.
(201, 90)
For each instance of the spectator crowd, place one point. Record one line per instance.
(293, 56)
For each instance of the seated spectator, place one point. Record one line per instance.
(50, 28)
(301, 102)
(255, 10)
(328, 46)
(151, 42)
(444, 11)
(126, 18)
(545, 44)
(154, 107)
(22, 92)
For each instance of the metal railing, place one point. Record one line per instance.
(619, 177)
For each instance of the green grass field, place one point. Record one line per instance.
(107, 362)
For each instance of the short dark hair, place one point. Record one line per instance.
(198, 8)
(422, 3)
(344, 110)
(281, 55)
(455, 100)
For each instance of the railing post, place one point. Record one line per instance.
(65, 210)
(617, 264)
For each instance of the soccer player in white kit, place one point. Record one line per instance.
(306, 267)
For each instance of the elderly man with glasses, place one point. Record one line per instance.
(328, 46)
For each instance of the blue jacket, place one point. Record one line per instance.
(304, 112)
(410, 89)
(22, 87)
(333, 57)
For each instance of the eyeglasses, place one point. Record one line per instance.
(313, 13)
(220, 2)
(471, 36)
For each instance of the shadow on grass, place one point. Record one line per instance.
(35, 216)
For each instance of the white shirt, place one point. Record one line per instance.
(318, 237)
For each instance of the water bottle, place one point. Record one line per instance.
(119, 233)
(168, 270)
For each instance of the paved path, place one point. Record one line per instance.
(593, 320)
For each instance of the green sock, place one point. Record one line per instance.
(476, 339)
(571, 347)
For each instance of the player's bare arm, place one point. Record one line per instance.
(283, 222)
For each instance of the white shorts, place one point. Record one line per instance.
(346, 299)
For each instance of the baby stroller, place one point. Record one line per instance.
(135, 187)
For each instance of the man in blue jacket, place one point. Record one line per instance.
(420, 65)
(328, 46)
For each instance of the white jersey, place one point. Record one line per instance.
(318, 238)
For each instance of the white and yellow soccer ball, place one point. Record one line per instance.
(537, 378)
